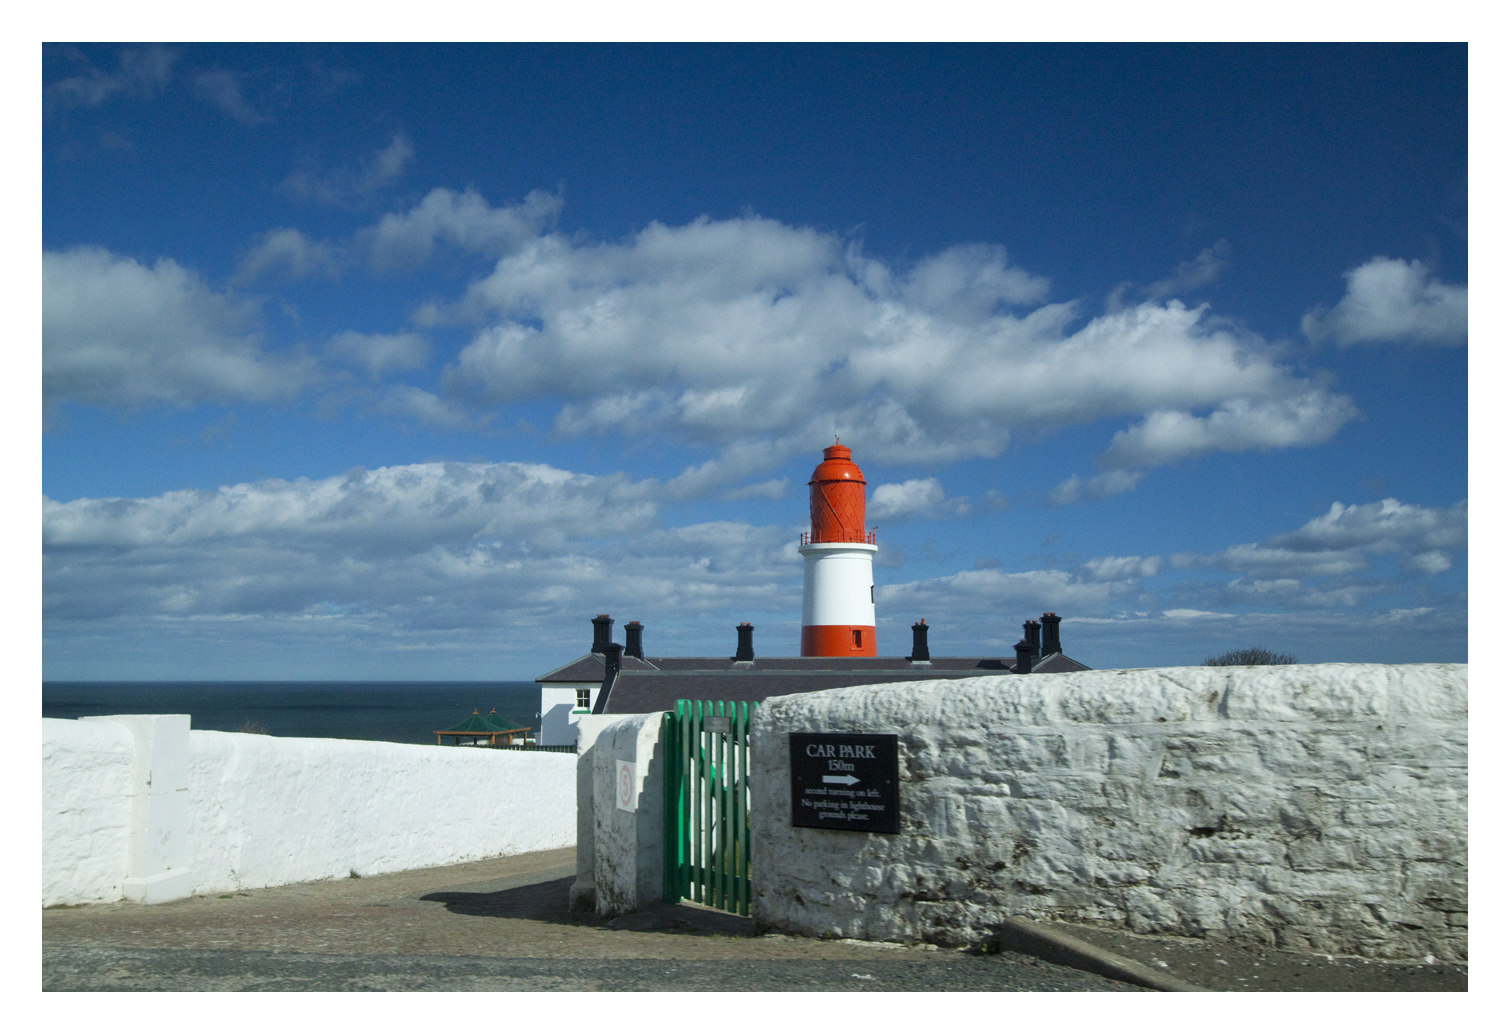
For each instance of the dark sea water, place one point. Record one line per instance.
(406, 713)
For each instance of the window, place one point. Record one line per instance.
(584, 697)
(855, 633)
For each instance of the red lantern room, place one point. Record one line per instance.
(837, 498)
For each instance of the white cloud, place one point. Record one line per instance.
(407, 401)
(409, 556)
(461, 219)
(285, 252)
(752, 340)
(908, 499)
(118, 333)
(1116, 569)
(1271, 560)
(1432, 562)
(1393, 300)
(1341, 541)
(1388, 526)
(774, 489)
(1109, 483)
(991, 591)
(1237, 425)
(969, 282)
(141, 72)
(1288, 594)
(223, 90)
(439, 558)
(381, 353)
(1196, 273)
(722, 332)
(346, 186)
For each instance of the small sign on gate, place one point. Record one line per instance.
(624, 785)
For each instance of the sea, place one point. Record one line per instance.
(404, 713)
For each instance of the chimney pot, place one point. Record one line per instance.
(632, 644)
(611, 655)
(1031, 637)
(1051, 633)
(745, 643)
(603, 632)
(1025, 657)
(920, 641)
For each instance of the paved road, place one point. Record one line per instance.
(503, 924)
(500, 925)
(199, 970)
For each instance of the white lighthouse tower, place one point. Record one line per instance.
(839, 598)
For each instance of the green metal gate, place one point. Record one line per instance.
(707, 752)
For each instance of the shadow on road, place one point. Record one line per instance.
(548, 901)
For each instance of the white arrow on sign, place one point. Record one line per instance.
(847, 779)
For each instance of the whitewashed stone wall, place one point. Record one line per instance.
(1314, 807)
(86, 810)
(264, 811)
(619, 850)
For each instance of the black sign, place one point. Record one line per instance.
(716, 723)
(844, 781)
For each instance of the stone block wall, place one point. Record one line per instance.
(1312, 807)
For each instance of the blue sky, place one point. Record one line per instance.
(402, 362)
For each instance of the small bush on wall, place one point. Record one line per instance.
(1252, 656)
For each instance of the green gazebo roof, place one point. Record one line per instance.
(476, 723)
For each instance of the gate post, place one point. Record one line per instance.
(627, 809)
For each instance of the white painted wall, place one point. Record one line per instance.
(558, 715)
(1317, 807)
(86, 810)
(263, 811)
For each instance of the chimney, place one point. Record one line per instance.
(632, 646)
(603, 632)
(611, 653)
(745, 650)
(1031, 637)
(1051, 633)
(920, 641)
(1025, 657)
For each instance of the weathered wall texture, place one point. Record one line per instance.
(627, 844)
(265, 811)
(1316, 807)
(86, 810)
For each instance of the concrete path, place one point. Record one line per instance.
(1221, 967)
(501, 924)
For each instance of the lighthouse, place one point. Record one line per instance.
(839, 599)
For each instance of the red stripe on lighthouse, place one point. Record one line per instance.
(838, 641)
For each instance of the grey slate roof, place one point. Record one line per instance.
(589, 669)
(657, 684)
(636, 691)
(1058, 662)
